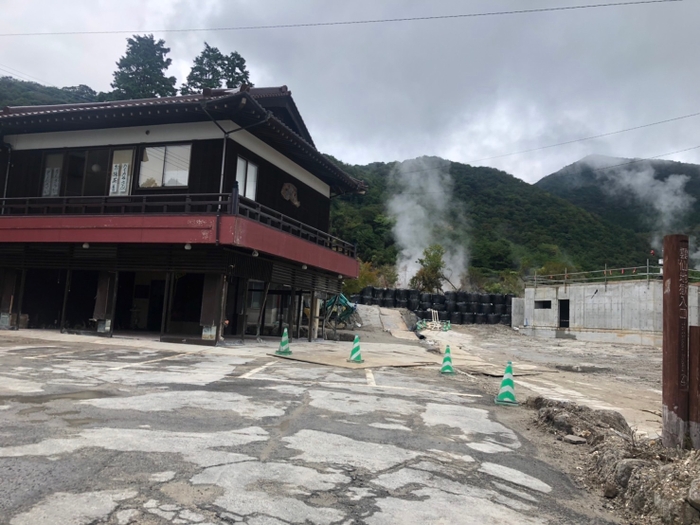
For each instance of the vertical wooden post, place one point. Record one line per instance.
(113, 306)
(300, 313)
(694, 387)
(245, 310)
(292, 309)
(166, 301)
(65, 300)
(312, 314)
(675, 368)
(20, 299)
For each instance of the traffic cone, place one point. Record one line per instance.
(355, 356)
(447, 363)
(506, 395)
(284, 345)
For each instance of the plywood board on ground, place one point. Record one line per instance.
(375, 355)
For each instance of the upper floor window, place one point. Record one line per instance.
(247, 178)
(165, 166)
(53, 164)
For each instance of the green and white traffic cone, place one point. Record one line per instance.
(447, 363)
(284, 345)
(506, 396)
(355, 356)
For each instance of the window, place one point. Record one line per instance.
(52, 175)
(543, 305)
(120, 180)
(165, 166)
(247, 178)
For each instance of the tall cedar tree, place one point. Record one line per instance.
(212, 69)
(141, 71)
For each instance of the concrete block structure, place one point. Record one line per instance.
(617, 311)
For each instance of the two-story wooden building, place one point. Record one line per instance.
(192, 216)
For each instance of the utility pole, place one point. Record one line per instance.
(676, 357)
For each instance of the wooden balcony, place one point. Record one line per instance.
(214, 206)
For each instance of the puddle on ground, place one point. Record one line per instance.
(47, 398)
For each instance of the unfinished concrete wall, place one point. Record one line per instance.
(625, 311)
(517, 316)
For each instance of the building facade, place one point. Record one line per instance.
(629, 311)
(194, 217)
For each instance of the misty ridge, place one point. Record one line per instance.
(651, 197)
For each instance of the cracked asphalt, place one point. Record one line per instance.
(102, 433)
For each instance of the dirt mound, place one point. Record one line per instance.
(644, 481)
(572, 419)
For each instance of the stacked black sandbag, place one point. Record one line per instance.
(413, 294)
(444, 316)
(438, 298)
(480, 318)
(456, 318)
(499, 309)
(450, 306)
(355, 298)
(494, 318)
(462, 297)
(505, 319)
(485, 308)
(413, 304)
(469, 318)
(426, 305)
(473, 307)
(463, 307)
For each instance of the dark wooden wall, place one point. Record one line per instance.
(205, 171)
(25, 174)
(314, 209)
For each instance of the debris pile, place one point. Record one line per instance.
(646, 482)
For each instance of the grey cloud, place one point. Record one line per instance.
(461, 89)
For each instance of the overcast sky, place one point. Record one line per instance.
(462, 89)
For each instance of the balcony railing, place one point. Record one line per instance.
(198, 203)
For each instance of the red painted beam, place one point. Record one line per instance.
(250, 234)
(174, 229)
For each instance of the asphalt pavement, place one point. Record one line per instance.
(102, 433)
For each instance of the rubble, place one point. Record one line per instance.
(642, 480)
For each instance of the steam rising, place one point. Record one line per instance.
(425, 213)
(666, 199)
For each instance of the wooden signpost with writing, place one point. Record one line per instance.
(676, 355)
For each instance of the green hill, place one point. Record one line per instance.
(647, 196)
(15, 92)
(509, 224)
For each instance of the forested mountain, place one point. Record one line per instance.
(15, 92)
(647, 196)
(511, 224)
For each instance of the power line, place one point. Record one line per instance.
(349, 22)
(674, 119)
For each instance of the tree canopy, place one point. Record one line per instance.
(212, 69)
(141, 71)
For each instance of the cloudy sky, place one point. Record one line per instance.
(464, 89)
